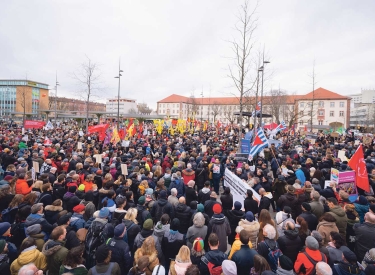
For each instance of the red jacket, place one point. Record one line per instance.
(316, 255)
(22, 187)
(188, 175)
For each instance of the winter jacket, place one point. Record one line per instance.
(263, 249)
(199, 229)
(179, 185)
(215, 257)
(45, 198)
(190, 195)
(4, 264)
(120, 254)
(244, 259)
(72, 239)
(281, 219)
(290, 200)
(325, 228)
(290, 243)
(171, 244)
(27, 256)
(39, 240)
(204, 195)
(341, 219)
(365, 238)
(38, 219)
(219, 224)
(77, 221)
(51, 213)
(303, 263)
(160, 207)
(78, 270)
(201, 176)
(140, 238)
(317, 208)
(252, 228)
(361, 210)
(234, 217)
(132, 231)
(142, 214)
(188, 175)
(22, 187)
(173, 200)
(226, 202)
(265, 203)
(160, 229)
(178, 268)
(103, 268)
(208, 205)
(70, 200)
(56, 254)
(311, 220)
(183, 213)
(335, 254)
(251, 205)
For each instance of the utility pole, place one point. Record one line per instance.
(202, 105)
(118, 96)
(57, 84)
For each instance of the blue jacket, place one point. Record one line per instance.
(120, 254)
(37, 218)
(301, 176)
(179, 185)
(361, 210)
(77, 221)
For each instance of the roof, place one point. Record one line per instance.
(322, 93)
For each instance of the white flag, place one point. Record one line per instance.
(49, 126)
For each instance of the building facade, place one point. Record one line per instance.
(22, 96)
(328, 108)
(74, 106)
(365, 96)
(127, 105)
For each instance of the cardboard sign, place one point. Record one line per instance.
(98, 158)
(33, 174)
(367, 140)
(204, 148)
(356, 142)
(79, 145)
(125, 143)
(341, 155)
(335, 135)
(124, 169)
(36, 166)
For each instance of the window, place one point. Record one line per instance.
(332, 104)
(341, 104)
(321, 112)
(332, 113)
(320, 122)
(301, 113)
(301, 122)
(302, 104)
(321, 103)
(341, 113)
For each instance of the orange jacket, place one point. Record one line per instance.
(88, 186)
(22, 187)
(316, 255)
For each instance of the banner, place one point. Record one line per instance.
(97, 128)
(245, 146)
(237, 187)
(345, 181)
(34, 124)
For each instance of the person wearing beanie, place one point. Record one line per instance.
(219, 225)
(35, 232)
(103, 262)
(143, 213)
(348, 264)
(205, 193)
(147, 230)
(364, 235)
(309, 217)
(162, 206)
(208, 205)
(319, 238)
(252, 226)
(362, 207)
(172, 241)
(4, 259)
(289, 199)
(244, 258)
(317, 207)
(234, 217)
(37, 217)
(120, 249)
(70, 199)
(200, 209)
(76, 221)
(197, 230)
(285, 266)
(197, 251)
(290, 243)
(311, 250)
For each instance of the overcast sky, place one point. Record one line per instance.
(175, 46)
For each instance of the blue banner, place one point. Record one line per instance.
(245, 146)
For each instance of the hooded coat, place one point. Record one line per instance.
(188, 174)
(234, 217)
(290, 243)
(198, 229)
(365, 238)
(317, 208)
(160, 207)
(178, 268)
(325, 228)
(51, 212)
(341, 219)
(183, 213)
(22, 187)
(27, 256)
(171, 244)
(160, 229)
(252, 228)
(219, 224)
(56, 254)
(204, 195)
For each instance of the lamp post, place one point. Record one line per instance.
(118, 96)
(57, 84)
(202, 106)
(256, 98)
(261, 96)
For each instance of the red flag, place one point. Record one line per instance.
(97, 128)
(121, 133)
(357, 163)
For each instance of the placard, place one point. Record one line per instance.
(33, 174)
(237, 186)
(124, 169)
(98, 158)
(341, 155)
(36, 166)
(125, 143)
(79, 145)
(335, 135)
(367, 140)
(204, 148)
(245, 146)
(356, 142)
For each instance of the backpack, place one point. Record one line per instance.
(108, 272)
(313, 261)
(273, 256)
(9, 214)
(214, 270)
(17, 230)
(1, 173)
(94, 238)
(125, 238)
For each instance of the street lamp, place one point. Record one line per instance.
(256, 98)
(118, 96)
(57, 84)
(261, 97)
(202, 107)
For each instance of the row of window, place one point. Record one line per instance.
(321, 104)
(322, 113)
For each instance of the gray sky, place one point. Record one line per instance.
(175, 46)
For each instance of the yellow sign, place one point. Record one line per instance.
(29, 83)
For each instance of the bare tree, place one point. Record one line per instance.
(215, 110)
(132, 111)
(88, 76)
(242, 47)
(193, 106)
(229, 115)
(276, 100)
(143, 109)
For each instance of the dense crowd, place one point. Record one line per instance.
(69, 205)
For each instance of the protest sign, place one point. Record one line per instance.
(98, 158)
(204, 148)
(33, 174)
(79, 145)
(341, 155)
(335, 135)
(36, 166)
(245, 146)
(345, 181)
(124, 169)
(356, 142)
(367, 140)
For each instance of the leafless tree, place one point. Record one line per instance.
(143, 109)
(215, 110)
(276, 100)
(132, 111)
(229, 115)
(88, 77)
(240, 70)
(193, 106)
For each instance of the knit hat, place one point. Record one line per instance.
(102, 253)
(36, 207)
(103, 213)
(307, 206)
(237, 205)
(8, 177)
(64, 219)
(229, 267)
(249, 216)
(148, 224)
(163, 194)
(149, 191)
(198, 244)
(350, 256)
(317, 236)
(2, 245)
(158, 270)
(4, 226)
(141, 200)
(81, 187)
(217, 208)
(119, 229)
(343, 195)
(33, 229)
(175, 224)
(285, 262)
(287, 209)
(312, 243)
(200, 208)
(78, 208)
(281, 177)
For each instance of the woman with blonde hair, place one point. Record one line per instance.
(148, 249)
(132, 228)
(181, 263)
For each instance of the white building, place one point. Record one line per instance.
(365, 96)
(127, 105)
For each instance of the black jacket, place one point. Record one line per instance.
(183, 213)
(290, 244)
(4, 265)
(201, 176)
(171, 244)
(220, 226)
(365, 238)
(143, 214)
(234, 216)
(160, 207)
(204, 195)
(132, 231)
(290, 200)
(208, 206)
(120, 254)
(311, 219)
(226, 202)
(190, 195)
(244, 259)
(71, 238)
(265, 203)
(251, 205)
(45, 198)
(69, 201)
(215, 257)
(58, 191)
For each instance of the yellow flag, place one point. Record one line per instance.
(115, 137)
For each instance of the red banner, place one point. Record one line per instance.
(97, 128)
(34, 124)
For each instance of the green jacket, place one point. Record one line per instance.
(56, 254)
(341, 219)
(79, 270)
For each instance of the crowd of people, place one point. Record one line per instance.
(160, 205)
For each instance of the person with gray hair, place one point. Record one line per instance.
(172, 199)
(317, 207)
(316, 184)
(269, 243)
(323, 268)
(30, 269)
